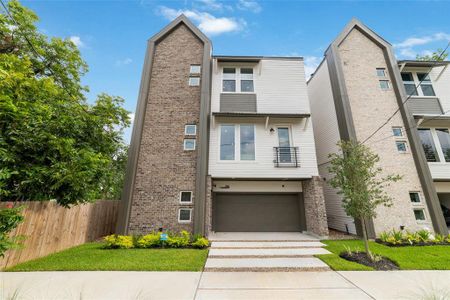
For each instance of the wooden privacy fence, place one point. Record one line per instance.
(49, 227)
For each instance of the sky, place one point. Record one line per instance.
(112, 35)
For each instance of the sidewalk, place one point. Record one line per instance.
(226, 285)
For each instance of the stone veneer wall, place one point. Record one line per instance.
(164, 168)
(315, 211)
(208, 206)
(370, 107)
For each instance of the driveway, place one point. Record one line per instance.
(226, 285)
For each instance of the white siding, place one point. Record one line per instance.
(441, 86)
(233, 186)
(279, 84)
(326, 134)
(440, 170)
(263, 166)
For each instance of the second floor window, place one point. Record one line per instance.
(410, 85)
(425, 84)
(245, 138)
(444, 141)
(237, 80)
(429, 148)
(413, 80)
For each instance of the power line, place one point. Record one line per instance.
(407, 98)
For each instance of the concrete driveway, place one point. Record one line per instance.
(226, 285)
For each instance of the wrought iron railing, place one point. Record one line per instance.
(286, 157)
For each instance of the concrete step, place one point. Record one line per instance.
(265, 264)
(258, 245)
(278, 252)
(260, 236)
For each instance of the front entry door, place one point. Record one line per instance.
(284, 144)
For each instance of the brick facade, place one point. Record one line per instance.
(315, 212)
(164, 168)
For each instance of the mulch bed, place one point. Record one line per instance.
(406, 244)
(384, 264)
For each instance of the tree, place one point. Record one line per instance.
(438, 55)
(360, 182)
(53, 143)
(10, 218)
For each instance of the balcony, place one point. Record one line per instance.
(420, 106)
(286, 157)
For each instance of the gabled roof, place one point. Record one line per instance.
(181, 19)
(355, 23)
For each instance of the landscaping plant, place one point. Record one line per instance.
(114, 241)
(10, 218)
(360, 182)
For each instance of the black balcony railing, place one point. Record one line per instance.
(286, 157)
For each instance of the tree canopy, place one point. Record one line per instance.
(438, 55)
(53, 143)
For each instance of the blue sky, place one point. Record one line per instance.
(112, 35)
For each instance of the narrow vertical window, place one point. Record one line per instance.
(428, 145)
(444, 140)
(227, 143)
(247, 137)
(408, 82)
(229, 80)
(247, 80)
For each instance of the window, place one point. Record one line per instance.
(384, 84)
(397, 131)
(408, 82)
(186, 197)
(401, 146)
(444, 140)
(414, 197)
(184, 215)
(419, 214)
(244, 78)
(247, 80)
(227, 142)
(195, 69)
(190, 129)
(428, 145)
(189, 144)
(194, 81)
(425, 84)
(247, 142)
(381, 72)
(229, 80)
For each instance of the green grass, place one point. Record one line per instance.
(91, 257)
(407, 258)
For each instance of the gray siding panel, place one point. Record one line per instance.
(425, 106)
(237, 102)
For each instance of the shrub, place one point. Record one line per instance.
(200, 243)
(447, 239)
(412, 237)
(149, 241)
(424, 235)
(439, 238)
(119, 241)
(10, 218)
(396, 237)
(180, 241)
(384, 236)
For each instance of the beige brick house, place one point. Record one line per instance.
(353, 92)
(220, 143)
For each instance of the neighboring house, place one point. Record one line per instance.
(220, 143)
(353, 92)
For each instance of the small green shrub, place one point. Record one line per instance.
(447, 239)
(149, 241)
(384, 236)
(412, 238)
(118, 241)
(200, 243)
(439, 238)
(424, 235)
(180, 241)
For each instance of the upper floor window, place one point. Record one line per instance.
(189, 144)
(194, 81)
(227, 142)
(381, 72)
(242, 76)
(245, 141)
(384, 84)
(190, 129)
(194, 75)
(428, 145)
(397, 131)
(195, 69)
(412, 80)
(425, 84)
(444, 140)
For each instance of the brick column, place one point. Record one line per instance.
(315, 212)
(208, 206)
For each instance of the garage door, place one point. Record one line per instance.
(258, 212)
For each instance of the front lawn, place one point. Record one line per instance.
(91, 257)
(407, 258)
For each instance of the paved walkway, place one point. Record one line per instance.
(226, 285)
(264, 251)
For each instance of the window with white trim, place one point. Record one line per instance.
(425, 84)
(381, 72)
(385, 85)
(419, 214)
(444, 141)
(397, 131)
(414, 197)
(412, 80)
(194, 81)
(428, 144)
(237, 142)
(401, 146)
(184, 215)
(185, 197)
(195, 70)
(190, 129)
(237, 80)
(189, 144)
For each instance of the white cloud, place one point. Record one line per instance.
(406, 47)
(76, 40)
(249, 5)
(213, 5)
(207, 23)
(123, 62)
(311, 64)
